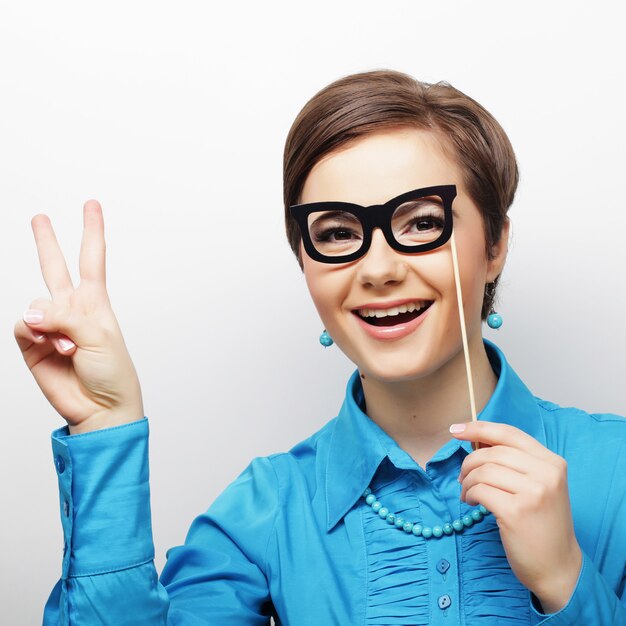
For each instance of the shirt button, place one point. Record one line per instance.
(66, 508)
(443, 566)
(444, 601)
(60, 463)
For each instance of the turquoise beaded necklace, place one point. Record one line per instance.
(437, 531)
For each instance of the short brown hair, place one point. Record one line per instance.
(361, 104)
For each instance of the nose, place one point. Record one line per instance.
(381, 265)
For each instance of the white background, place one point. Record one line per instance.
(174, 116)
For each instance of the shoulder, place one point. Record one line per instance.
(573, 417)
(573, 431)
(305, 460)
(300, 466)
(267, 488)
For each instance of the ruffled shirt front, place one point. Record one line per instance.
(292, 537)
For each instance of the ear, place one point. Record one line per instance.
(499, 251)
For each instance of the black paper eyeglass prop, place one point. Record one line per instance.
(339, 232)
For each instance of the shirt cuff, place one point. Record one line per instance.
(104, 492)
(592, 602)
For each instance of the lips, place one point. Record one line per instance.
(393, 316)
(392, 327)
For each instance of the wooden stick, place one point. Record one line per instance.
(468, 366)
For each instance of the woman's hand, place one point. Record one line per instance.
(72, 343)
(524, 485)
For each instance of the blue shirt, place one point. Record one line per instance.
(293, 538)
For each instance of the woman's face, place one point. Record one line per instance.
(371, 171)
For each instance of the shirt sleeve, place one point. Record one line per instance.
(593, 601)
(108, 574)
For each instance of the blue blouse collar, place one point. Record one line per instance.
(359, 445)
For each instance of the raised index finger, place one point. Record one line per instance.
(93, 249)
(51, 259)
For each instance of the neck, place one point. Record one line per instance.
(417, 413)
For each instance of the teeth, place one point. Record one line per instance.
(403, 308)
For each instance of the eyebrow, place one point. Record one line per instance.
(368, 206)
(335, 214)
(320, 204)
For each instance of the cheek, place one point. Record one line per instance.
(326, 285)
(473, 270)
(434, 270)
(437, 270)
(315, 283)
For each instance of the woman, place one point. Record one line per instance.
(384, 516)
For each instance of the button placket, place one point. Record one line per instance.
(444, 563)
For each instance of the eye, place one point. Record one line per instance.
(334, 234)
(420, 221)
(427, 222)
(334, 227)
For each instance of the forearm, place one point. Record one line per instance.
(108, 574)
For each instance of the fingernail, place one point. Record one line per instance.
(457, 428)
(33, 316)
(40, 337)
(66, 344)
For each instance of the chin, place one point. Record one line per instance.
(395, 369)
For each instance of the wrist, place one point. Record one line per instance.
(555, 595)
(107, 419)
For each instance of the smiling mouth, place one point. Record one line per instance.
(391, 317)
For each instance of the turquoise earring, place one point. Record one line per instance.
(326, 340)
(494, 319)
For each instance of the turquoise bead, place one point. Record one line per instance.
(476, 515)
(391, 518)
(437, 531)
(371, 498)
(494, 320)
(376, 506)
(417, 529)
(408, 527)
(457, 524)
(482, 509)
(384, 511)
(427, 532)
(399, 522)
(326, 339)
(447, 528)
(367, 492)
(467, 520)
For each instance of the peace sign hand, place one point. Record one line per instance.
(72, 343)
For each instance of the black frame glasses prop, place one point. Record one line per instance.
(375, 216)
